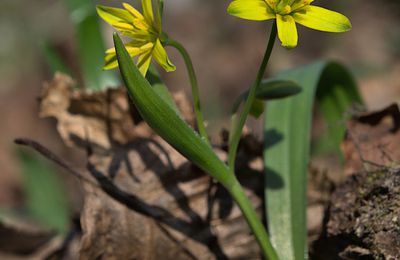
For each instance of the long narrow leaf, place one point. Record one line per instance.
(45, 195)
(287, 148)
(165, 121)
(90, 45)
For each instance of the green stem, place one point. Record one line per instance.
(236, 132)
(252, 219)
(195, 88)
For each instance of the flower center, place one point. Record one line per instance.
(285, 7)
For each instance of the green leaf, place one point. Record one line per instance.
(287, 148)
(90, 45)
(166, 122)
(53, 59)
(277, 89)
(45, 195)
(268, 90)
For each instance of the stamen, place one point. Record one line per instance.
(287, 9)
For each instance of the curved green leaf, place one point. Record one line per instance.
(166, 122)
(277, 89)
(287, 148)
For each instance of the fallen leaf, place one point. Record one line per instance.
(372, 140)
(150, 202)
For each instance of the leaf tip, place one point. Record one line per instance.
(115, 35)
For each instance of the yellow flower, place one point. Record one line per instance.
(289, 12)
(144, 30)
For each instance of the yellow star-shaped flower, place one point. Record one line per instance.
(289, 12)
(144, 30)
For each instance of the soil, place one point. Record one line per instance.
(362, 217)
(363, 221)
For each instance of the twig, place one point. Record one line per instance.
(52, 157)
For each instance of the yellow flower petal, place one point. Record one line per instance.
(133, 49)
(114, 15)
(138, 35)
(148, 11)
(287, 31)
(135, 13)
(321, 19)
(141, 24)
(110, 61)
(144, 62)
(122, 26)
(257, 10)
(161, 57)
(146, 47)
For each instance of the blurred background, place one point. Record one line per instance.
(226, 52)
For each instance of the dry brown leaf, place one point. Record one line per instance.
(372, 140)
(100, 117)
(153, 203)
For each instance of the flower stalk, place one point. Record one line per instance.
(195, 88)
(238, 123)
(253, 220)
